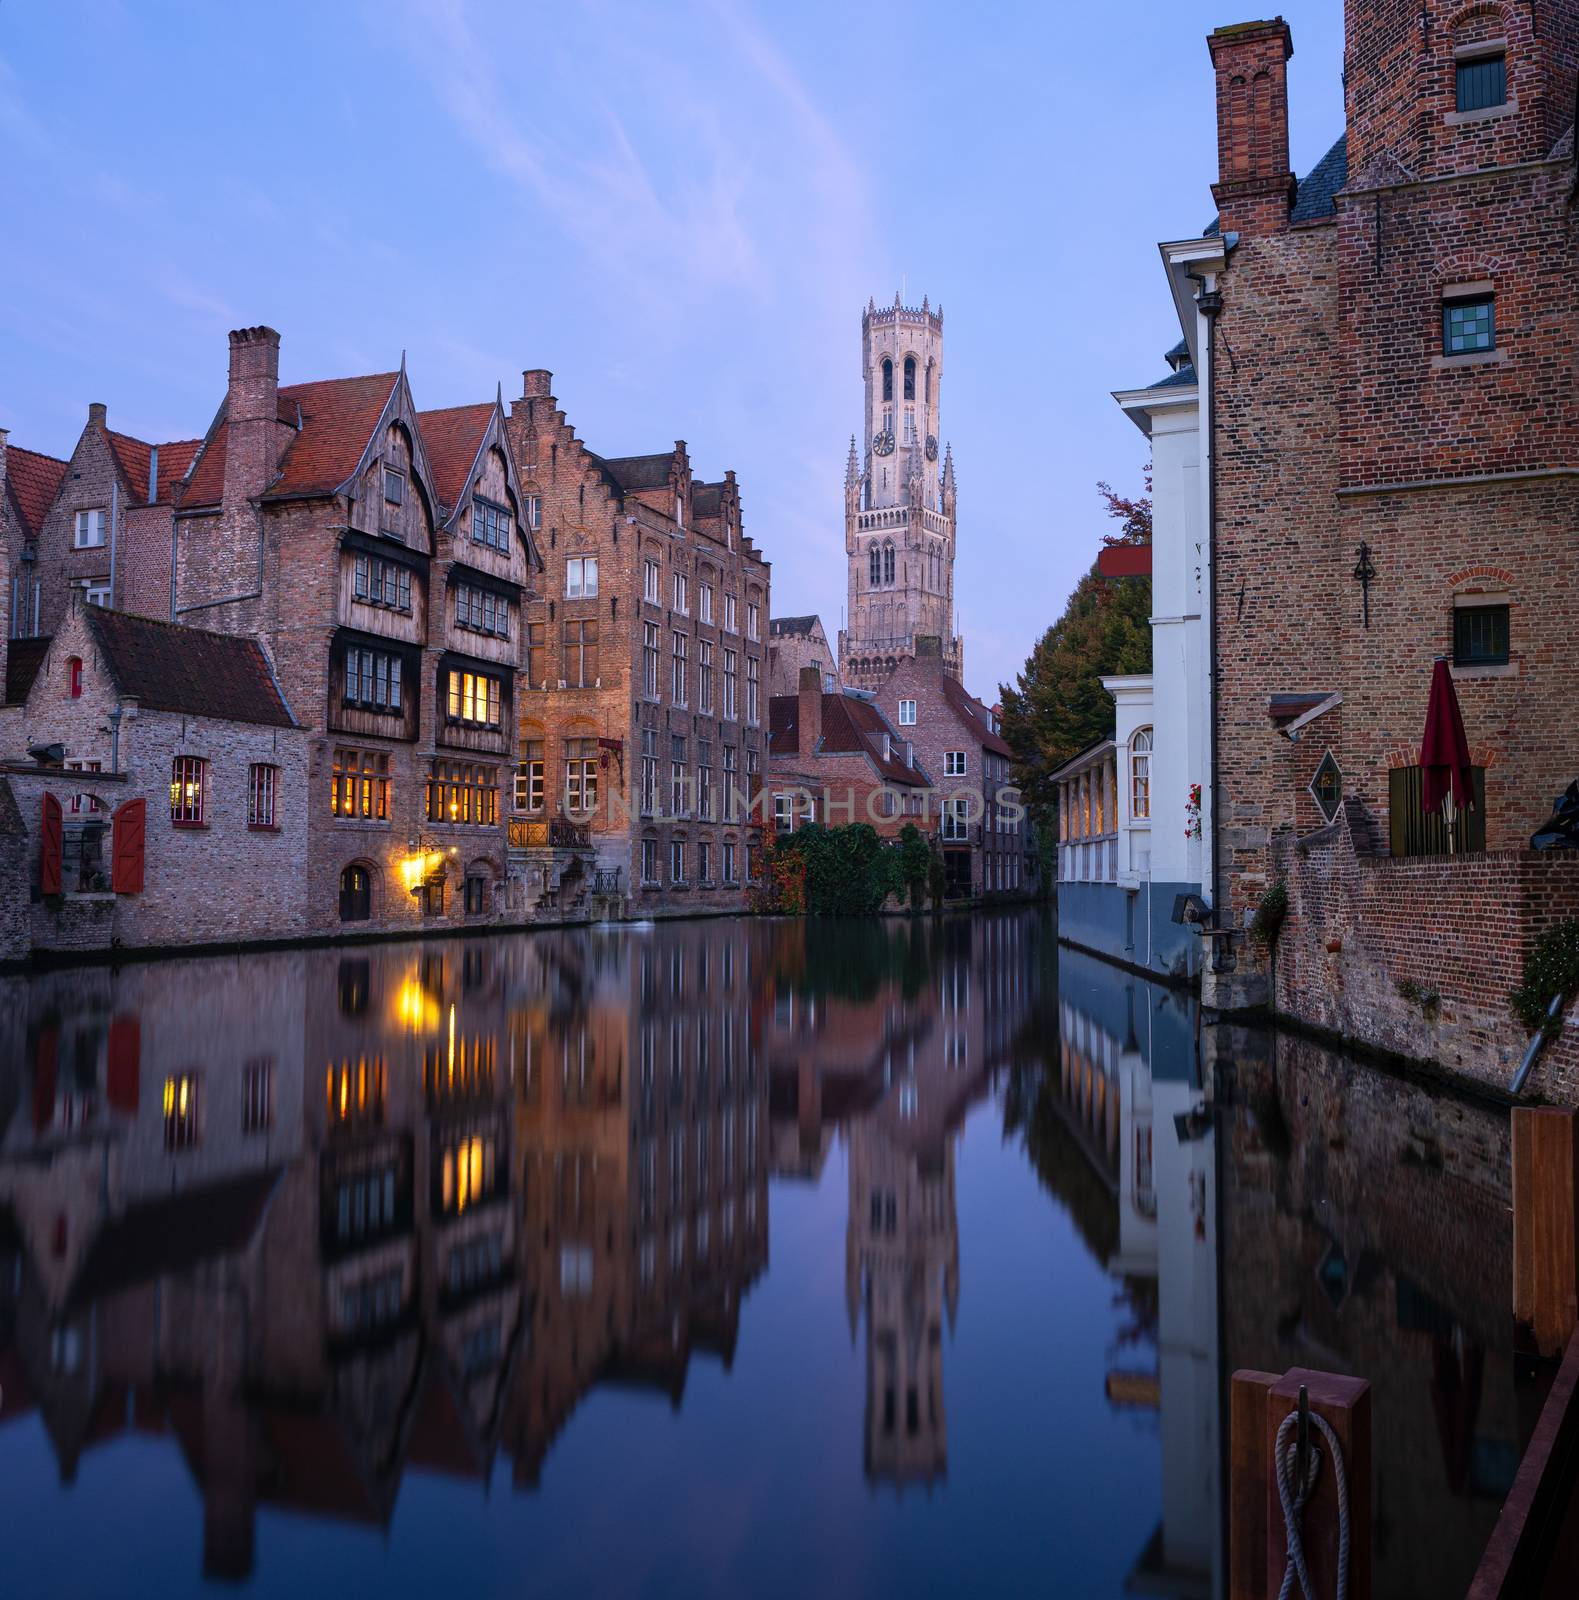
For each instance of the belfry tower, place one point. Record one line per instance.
(899, 502)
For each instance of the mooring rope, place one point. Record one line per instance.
(1294, 1497)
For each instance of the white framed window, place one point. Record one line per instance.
(676, 861)
(529, 777)
(682, 596)
(581, 578)
(262, 784)
(89, 530)
(1140, 775)
(753, 690)
(649, 581)
(97, 591)
(704, 601)
(581, 775)
(534, 511)
(730, 625)
(907, 713)
(731, 684)
(956, 819)
(753, 616)
(954, 764)
(704, 691)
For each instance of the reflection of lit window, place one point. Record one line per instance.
(354, 1090)
(907, 1097)
(180, 1111)
(466, 1173)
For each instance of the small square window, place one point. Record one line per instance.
(1480, 636)
(394, 487)
(907, 713)
(1483, 83)
(1468, 325)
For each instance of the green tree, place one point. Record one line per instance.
(1057, 706)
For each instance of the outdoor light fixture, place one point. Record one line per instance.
(1364, 571)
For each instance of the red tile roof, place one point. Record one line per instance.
(33, 481)
(334, 418)
(850, 726)
(132, 457)
(452, 438)
(967, 706)
(171, 668)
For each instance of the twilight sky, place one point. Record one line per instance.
(679, 207)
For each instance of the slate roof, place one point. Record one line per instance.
(851, 725)
(1316, 193)
(452, 437)
(23, 660)
(706, 499)
(188, 670)
(968, 706)
(1183, 378)
(792, 624)
(334, 420)
(32, 482)
(132, 456)
(639, 472)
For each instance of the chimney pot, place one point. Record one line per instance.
(96, 413)
(536, 382)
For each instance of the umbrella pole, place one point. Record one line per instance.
(1450, 815)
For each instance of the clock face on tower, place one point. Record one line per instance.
(883, 444)
(932, 447)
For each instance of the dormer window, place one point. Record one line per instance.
(394, 487)
(490, 525)
(1482, 81)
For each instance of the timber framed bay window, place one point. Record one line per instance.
(529, 777)
(189, 792)
(262, 786)
(372, 679)
(482, 611)
(376, 582)
(473, 697)
(491, 525)
(580, 659)
(463, 793)
(581, 776)
(359, 786)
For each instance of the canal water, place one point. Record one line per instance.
(711, 1258)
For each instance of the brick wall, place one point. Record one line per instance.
(1459, 928)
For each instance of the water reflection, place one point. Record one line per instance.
(332, 1227)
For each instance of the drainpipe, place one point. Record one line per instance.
(1209, 302)
(115, 517)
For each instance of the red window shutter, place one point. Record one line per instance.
(49, 847)
(125, 1063)
(126, 847)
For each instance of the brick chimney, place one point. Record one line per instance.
(536, 383)
(96, 414)
(809, 715)
(252, 443)
(1255, 186)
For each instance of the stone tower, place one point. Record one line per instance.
(899, 501)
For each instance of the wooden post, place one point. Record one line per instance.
(1545, 1237)
(1249, 1469)
(1257, 1539)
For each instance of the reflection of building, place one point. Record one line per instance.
(335, 1219)
(947, 999)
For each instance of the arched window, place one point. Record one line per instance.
(74, 677)
(874, 567)
(356, 894)
(1140, 775)
(910, 377)
(888, 380)
(888, 563)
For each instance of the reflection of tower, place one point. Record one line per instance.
(902, 1262)
(899, 501)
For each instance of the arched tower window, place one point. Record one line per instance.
(1140, 775)
(888, 380)
(910, 377)
(888, 563)
(874, 567)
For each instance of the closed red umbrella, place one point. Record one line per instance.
(1446, 782)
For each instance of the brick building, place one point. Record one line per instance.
(1386, 352)
(794, 643)
(833, 757)
(980, 822)
(162, 783)
(643, 711)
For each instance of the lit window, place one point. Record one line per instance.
(459, 792)
(359, 784)
(1480, 636)
(529, 777)
(953, 763)
(907, 713)
(262, 781)
(1482, 82)
(89, 530)
(1469, 325)
(1140, 776)
(188, 783)
(474, 698)
(581, 578)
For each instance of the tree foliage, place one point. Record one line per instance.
(849, 871)
(1057, 706)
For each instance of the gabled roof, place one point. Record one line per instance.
(851, 725)
(453, 436)
(968, 706)
(132, 456)
(32, 482)
(170, 668)
(22, 662)
(793, 624)
(639, 472)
